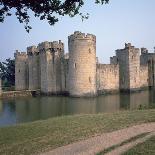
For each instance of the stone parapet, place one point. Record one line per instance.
(82, 64)
(32, 50)
(78, 35)
(55, 45)
(20, 55)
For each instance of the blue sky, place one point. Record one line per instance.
(114, 24)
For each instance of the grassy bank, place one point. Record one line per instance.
(132, 139)
(148, 147)
(48, 134)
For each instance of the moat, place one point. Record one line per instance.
(14, 111)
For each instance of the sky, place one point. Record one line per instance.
(114, 24)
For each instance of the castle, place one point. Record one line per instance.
(48, 69)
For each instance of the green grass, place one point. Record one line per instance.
(48, 134)
(146, 148)
(123, 143)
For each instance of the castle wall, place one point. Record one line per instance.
(51, 54)
(47, 68)
(134, 68)
(123, 69)
(149, 59)
(151, 68)
(113, 60)
(107, 77)
(21, 71)
(144, 77)
(34, 68)
(82, 64)
(144, 56)
(65, 75)
(43, 72)
(129, 67)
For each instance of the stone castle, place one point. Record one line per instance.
(48, 69)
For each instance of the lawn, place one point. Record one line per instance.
(146, 148)
(48, 134)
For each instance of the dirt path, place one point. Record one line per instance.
(94, 145)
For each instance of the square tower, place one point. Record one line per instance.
(34, 68)
(129, 67)
(51, 54)
(21, 70)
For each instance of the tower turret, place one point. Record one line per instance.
(34, 67)
(21, 70)
(50, 61)
(129, 67)
(82, 64)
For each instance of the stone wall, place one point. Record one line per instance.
(144, 77)
(134, 68)
(21, 71)
(51, 54)
(144, 56)
(65, 75)
(107, 77)
(79, 73)
(23, 93)
(129, 67)
(149, 59)
(123, 60)
(82, 64)
(113, 60)
(34, 68)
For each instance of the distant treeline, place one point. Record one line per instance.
(7, 73)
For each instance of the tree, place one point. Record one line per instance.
(49, 10)
(7, 72)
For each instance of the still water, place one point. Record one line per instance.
(13, 111)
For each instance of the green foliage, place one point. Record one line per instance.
(49, 10)
(7, 72)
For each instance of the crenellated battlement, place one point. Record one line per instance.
(111, 67)
(32, 50)
(128, 47)
(78, 35)
(18, 54)
(57, 44)
(44, 46)
(144, 50)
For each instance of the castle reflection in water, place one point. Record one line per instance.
(30, 109)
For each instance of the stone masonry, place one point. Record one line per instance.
(82, 64)
(21, 71)
(78, 73)
(129, 67)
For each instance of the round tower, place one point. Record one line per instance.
(82, 64)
